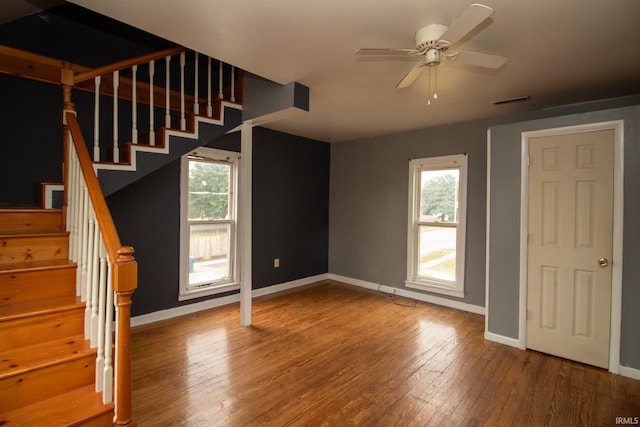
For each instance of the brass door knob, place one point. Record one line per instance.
(603, 262)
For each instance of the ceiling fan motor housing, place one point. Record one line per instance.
(429, 36)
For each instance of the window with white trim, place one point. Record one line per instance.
(208, 223)
(436, 225)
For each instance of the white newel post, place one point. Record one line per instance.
(134, 106)
(152, 135)
(96, 122)
(246, 166)
(167, 98)
(116, 83)
(196, 104)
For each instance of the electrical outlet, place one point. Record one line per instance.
(276, 262)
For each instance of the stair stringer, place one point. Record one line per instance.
(146, 159)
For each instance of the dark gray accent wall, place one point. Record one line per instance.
(31, 153)
(290, 217)
(369, 203)
(505, 223)
(290, 207)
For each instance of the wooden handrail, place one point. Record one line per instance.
(127, 63)
(16, 62)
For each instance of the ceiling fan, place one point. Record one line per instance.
(434, 42)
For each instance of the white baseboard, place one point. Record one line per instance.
(630, 372)
(512, 342)
(183, 310)
(409, 294)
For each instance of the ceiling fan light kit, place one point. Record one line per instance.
(433, 42)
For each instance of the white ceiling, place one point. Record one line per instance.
(560, 52)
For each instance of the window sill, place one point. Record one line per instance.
(207, 291)
(436, 288)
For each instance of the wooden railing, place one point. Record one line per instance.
(105, 268)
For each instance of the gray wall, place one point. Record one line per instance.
(368, 203)
(505, 224)
(368, 207)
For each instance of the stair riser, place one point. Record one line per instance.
(44, 327)
(39, 284)
(32, 220)
(39, 384)
(33, 248)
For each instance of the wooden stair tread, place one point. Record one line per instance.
(73, 408)
(21, 267)
(24, 359)
(24, 209)
(32, 308)
(32, 233)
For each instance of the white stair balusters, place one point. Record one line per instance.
(134, 103)
(116, 149)
(167, 90)
(96, 274)
(152, 135)
(220, 94)
(170, 102)
(233, 84)
(183, 121)
(196, 104)
(96, 122)
(209, 108)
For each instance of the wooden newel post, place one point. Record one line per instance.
(125, 277)
(67, 80)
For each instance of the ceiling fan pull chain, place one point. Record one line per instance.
(435, 85)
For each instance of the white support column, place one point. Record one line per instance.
(246, 166)
(183, 121)
(116, 148)
(167, 98)
(196, 103)
(209, 108)
(134, 105)
(152, 135)
(96, 122)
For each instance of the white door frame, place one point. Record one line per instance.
(618, 216)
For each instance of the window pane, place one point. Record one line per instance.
(437, 252)
(209, 193)
(209, 246)
(439, 195)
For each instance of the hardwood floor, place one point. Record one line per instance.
(336, 355)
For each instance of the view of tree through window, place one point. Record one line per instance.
(438, 206)
(209, 222)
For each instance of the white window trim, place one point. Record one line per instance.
(185, 292)
(455, 289)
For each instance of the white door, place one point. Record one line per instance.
(570, 245)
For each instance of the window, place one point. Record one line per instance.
(436, 229)
(208, 226)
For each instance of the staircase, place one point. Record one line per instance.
(47, 368)
(63, 271)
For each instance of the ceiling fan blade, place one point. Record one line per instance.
(470, 19)
(387, 52)
(411, 76)
(477, 59)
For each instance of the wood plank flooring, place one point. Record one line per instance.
(336, 355)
